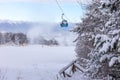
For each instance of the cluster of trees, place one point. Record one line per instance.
(42, 41)
(10, 38)
(51, 42)
(98, 39)
(13, 38)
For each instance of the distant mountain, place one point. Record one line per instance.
(20, 26)
(12, 26)
(36, 30)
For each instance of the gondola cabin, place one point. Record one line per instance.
(64, 23)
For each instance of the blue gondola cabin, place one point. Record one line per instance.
(64, 23)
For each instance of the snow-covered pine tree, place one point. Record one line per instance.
(8, 37)
(19, 38)
(99, 32)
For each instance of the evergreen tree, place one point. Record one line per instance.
(99, 39)
(19, 38)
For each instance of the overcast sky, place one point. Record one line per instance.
(40, 10)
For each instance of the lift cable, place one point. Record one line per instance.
(63, 13)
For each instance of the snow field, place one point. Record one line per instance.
(33, 62)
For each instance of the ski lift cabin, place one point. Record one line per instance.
(64, 23)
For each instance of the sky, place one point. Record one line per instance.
(40, 10)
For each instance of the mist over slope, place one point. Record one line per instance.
(39, 31)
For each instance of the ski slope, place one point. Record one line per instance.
(33, 62)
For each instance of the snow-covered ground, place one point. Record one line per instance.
(33, 62)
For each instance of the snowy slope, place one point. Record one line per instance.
(30, 55)
(33, 62)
